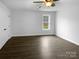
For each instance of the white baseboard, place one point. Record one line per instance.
(31, 35)
(76, 43)
(2, 43)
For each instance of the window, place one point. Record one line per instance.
(46, 22)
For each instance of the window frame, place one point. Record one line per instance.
(48, 22)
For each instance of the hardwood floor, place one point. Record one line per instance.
(39, 47)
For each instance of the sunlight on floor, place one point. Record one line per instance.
(45, 47)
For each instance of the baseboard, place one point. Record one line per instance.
(34, 35)
(3, 43)
(68, 40)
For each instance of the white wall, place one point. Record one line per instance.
(4, 24)
(67, 23)
(25, 23)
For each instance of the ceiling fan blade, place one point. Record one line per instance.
(38, 1)
(53, 5)
(55, 0)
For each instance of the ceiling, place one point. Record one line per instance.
(28, 5)
(18, 4)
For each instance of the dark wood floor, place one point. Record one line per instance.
(39, 47)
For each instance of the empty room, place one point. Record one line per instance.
(39, 29)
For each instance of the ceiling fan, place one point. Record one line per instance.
(48, 3)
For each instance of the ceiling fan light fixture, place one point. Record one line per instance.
(48, 3)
